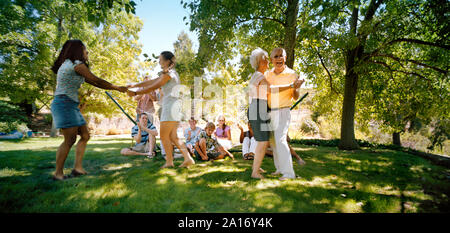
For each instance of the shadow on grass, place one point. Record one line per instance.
(331, 181)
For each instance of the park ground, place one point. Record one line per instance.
(363, 181)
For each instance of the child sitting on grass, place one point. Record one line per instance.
(208, 148)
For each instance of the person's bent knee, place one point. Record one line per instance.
(85, 137)
(124, 151)
(202, 141)
(70, 140)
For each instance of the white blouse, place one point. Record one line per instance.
(257, 91)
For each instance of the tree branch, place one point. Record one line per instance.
(399, 71)
(409, 60)
(262, 18)
(415, 41)
(419, 42)
(326, 69)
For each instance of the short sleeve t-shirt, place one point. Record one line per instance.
(68, 81)
(194, 134)
(222, 133)
(212, 145)
(144, 134)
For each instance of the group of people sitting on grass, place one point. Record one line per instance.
(210, 143)
(202, 144)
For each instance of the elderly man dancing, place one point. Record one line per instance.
(284, 83)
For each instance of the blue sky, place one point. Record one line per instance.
(163, 21)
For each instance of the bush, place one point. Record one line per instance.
(12, 118)
(309, 127)
(114, 131)
(335, 143)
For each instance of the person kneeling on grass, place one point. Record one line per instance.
(144, 134)
(207, 147)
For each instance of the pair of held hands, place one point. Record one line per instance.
(124, 89)
(133, 93)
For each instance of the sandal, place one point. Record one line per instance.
(248, 156)
(76, 173)
(57, 179)
(152, 155)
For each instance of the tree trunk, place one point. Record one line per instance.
(396, 139)
(291, 31)
(348, 141)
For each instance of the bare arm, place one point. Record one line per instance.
(143, 83)
(138, 97)
(138, 137)
(241, 137)
(229, 134)
(199, 151)
(159, 82)
(90, 78)
(152, 132)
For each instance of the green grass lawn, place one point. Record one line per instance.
(368, 180)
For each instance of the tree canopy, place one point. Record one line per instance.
(354, 52)
(32, 35)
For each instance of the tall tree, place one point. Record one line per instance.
(391, 37)
(32, 34)
(338, 42)
(220, 22)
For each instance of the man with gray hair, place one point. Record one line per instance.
(284, 83)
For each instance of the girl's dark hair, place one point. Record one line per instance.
(168, 56)
(73, 50)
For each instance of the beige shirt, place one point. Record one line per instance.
(283, 98)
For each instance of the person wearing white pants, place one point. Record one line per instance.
(249, 145)
(284, 83)
(280, 120)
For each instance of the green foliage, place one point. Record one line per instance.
(32, 33)
(12, 118)
(99, 10)
(229, 28)
(441, 133)
(309, 127)
(396, 51)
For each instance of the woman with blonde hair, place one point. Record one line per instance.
(171, 108)
(223, 133)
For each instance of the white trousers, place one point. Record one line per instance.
(225, 143)
(249, 145)
(280, 120)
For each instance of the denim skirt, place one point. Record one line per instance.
(65, 112)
